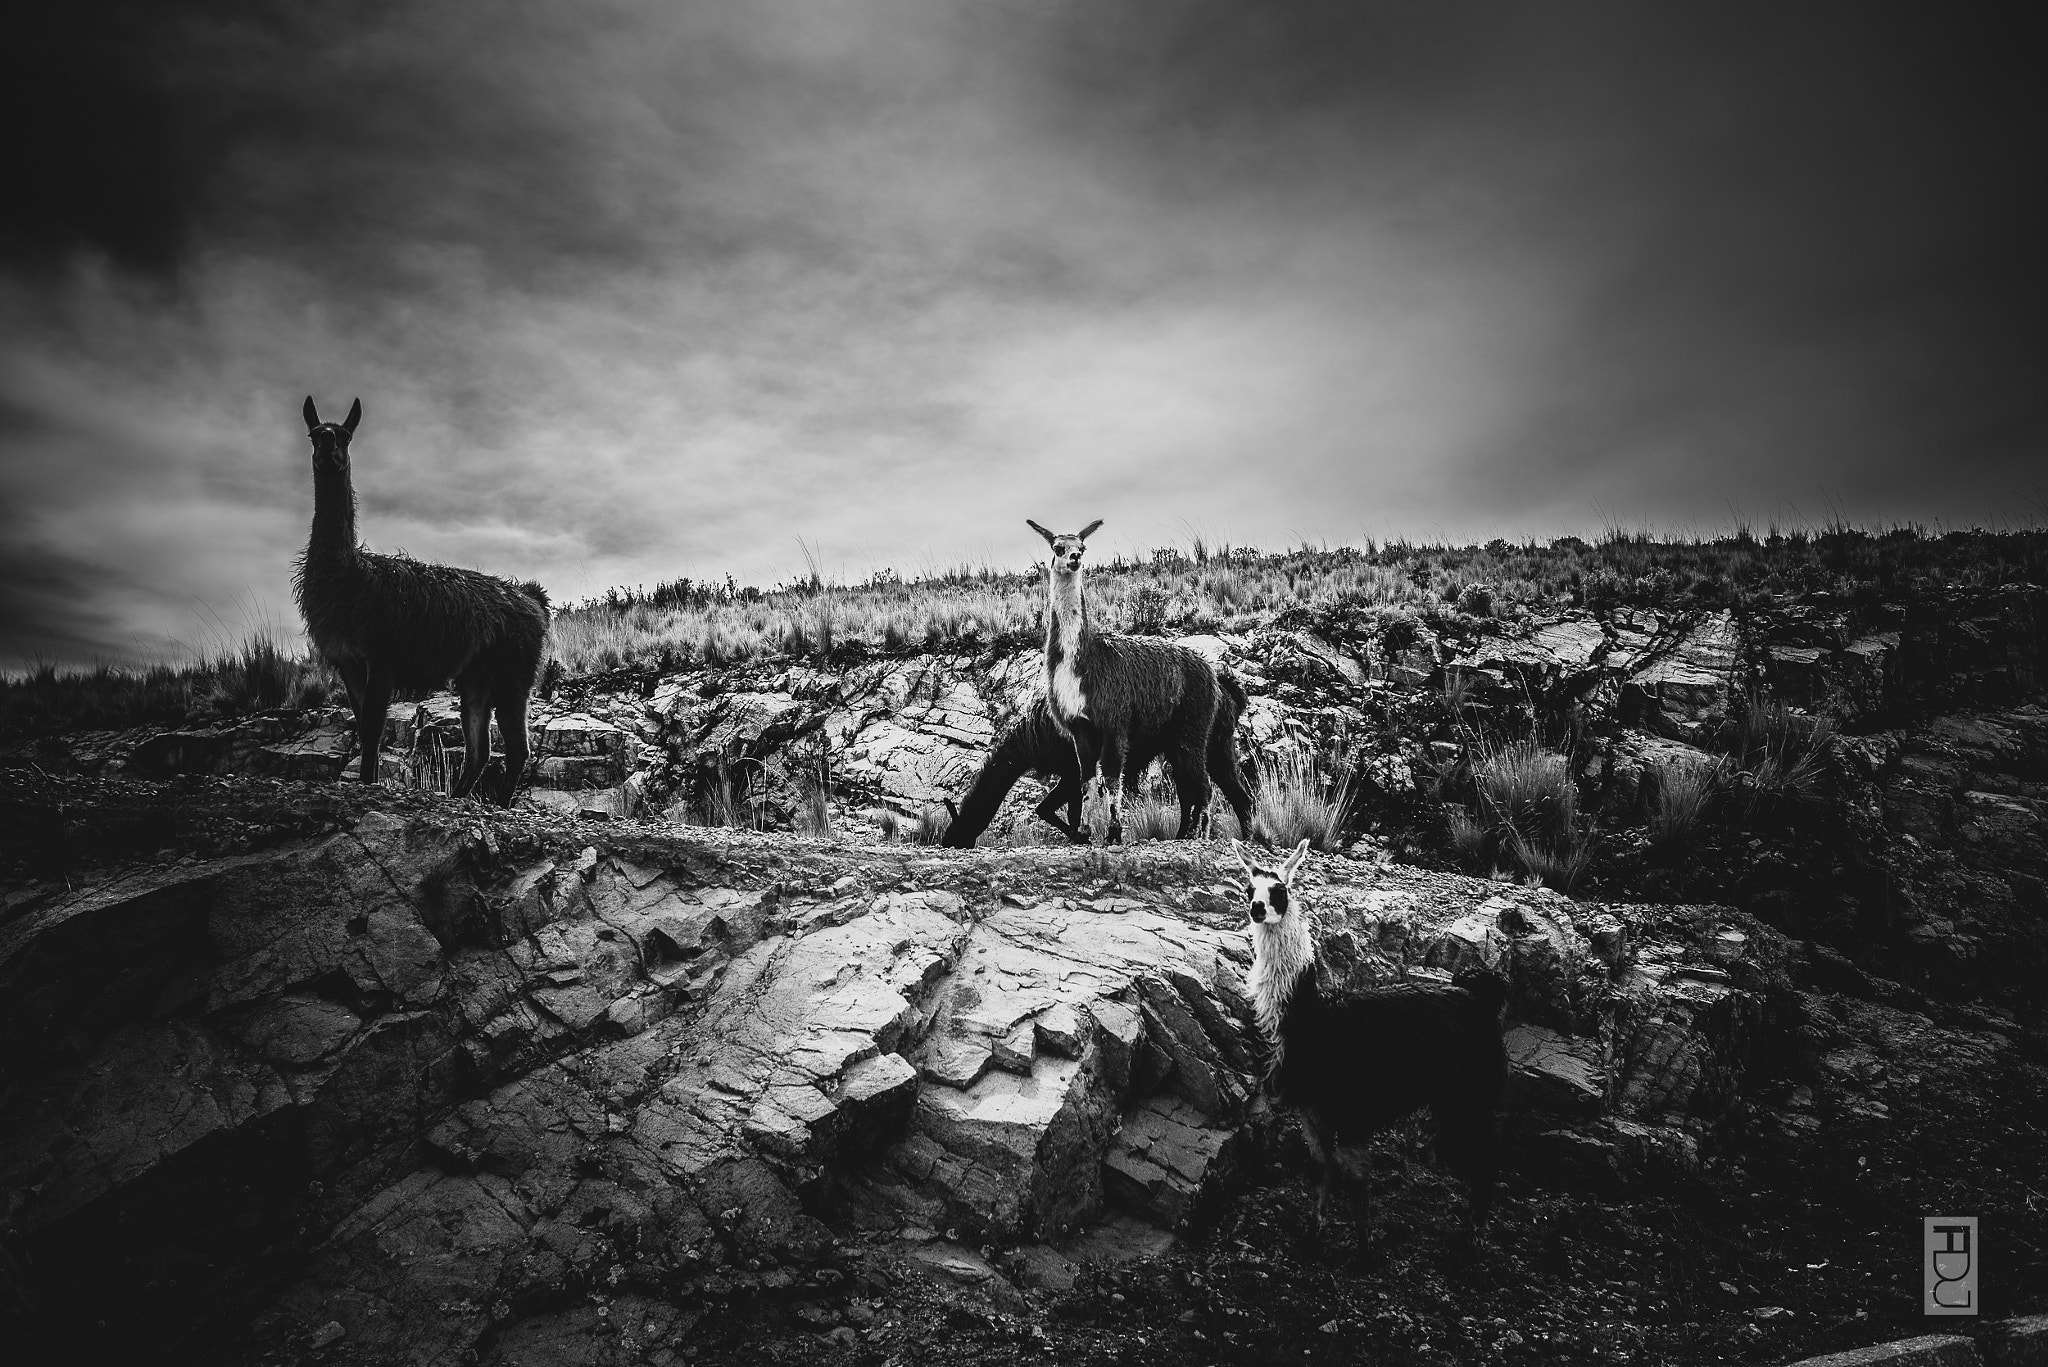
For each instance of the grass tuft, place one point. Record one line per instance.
(1525, 788)
(1296, 801)
(1783, 753)
(1528, 814)
(1678, 802)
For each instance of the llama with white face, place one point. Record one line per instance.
(1117, 696)
(1357, 1061)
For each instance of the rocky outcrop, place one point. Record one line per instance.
(431, 1077)
(2019, 1342)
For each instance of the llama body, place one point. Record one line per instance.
(1105, 691)
(1037, 745)
(389, 622)
(1356, 1062)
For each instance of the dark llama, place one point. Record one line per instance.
(390, 622)
(1035, 745)
(1355, 1062)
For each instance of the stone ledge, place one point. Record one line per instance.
(1932, 1350)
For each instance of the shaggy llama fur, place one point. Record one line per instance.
(1107, 691)
(389, 622)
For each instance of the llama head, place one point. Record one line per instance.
(1282, 948)
(1270, 889)
(330, 439)
(1066, 550)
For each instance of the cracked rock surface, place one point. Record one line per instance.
(435, 1073)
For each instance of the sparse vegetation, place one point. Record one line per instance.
(1209, 588)
(731, 796)
(1678, 803)
(1378, 586)
(1298, 800)
(927, 826)
(1526, 788)
(1151, 817)
(814, 794)
(1528, 814)
(257, 675)
(1782, 755)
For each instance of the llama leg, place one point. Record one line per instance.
(1191, 782)
(511, 710)
(1322, 1143)
(1087, 755)
(371, 706)
(1114, 754)
(1224, 772)
(476, 733)
(1361, 1206)
(1464, 1142)
(1067, 793)
(351, 672)
(1469, 1143)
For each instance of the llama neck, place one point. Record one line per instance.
(1007, 763)
(1280, 955)
(334, 517)
(1067, 621)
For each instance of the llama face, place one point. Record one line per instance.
(1269, 891)
(330, 439)
(1067, 547)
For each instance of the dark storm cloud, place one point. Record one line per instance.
(93, 156)
(638, 290)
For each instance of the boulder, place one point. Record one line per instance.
(1693, 678)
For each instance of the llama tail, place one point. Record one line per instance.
(1487, 987)
(533, 590)
(1234, 690)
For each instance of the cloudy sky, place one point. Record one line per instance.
(638, 290)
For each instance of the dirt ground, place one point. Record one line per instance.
(1801, 1248)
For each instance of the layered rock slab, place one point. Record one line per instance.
(489, 1067)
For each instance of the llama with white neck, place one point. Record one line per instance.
(1356, 1061)
(1108, 691)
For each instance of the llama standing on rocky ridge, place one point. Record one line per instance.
(1357, 1061)
(389, 621)
(1104, 689)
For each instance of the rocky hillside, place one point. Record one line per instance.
(299, 1071)
(1869, 774)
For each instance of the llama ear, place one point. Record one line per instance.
(312, 414)
(1237, 852)
(1049, 537)
(355, 415)
(1294, 861)
(1089, 530)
